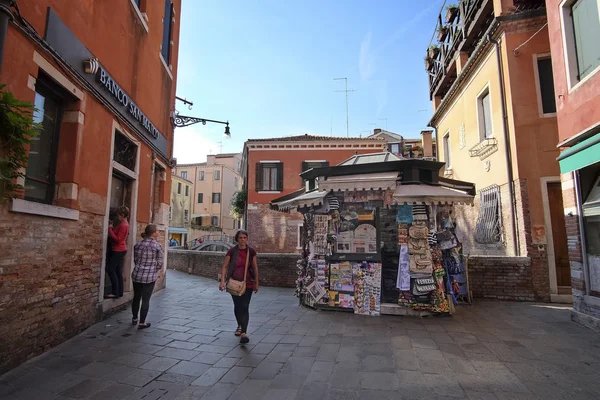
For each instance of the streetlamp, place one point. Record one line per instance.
(180, 121)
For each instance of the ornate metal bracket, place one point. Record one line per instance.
(180, 121)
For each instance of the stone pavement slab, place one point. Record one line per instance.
(491, 350)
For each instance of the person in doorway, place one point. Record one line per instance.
(118, 236)
(234, 267)
(148, 257)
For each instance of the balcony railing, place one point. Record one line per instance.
(458, 29)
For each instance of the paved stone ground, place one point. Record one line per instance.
(492, 350)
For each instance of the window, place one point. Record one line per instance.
(235, 182)
(214, 221)
(201, 175)
(186, 216)
(178, 188)
(184, 174)
(447, 156)
(170, 213)
(138, 3)
(306, 165)
(41, 167)
(269, 177)
(167, 27)
(484, 110)
(489, 221)
(394, 148)
(217, 175)
(200, 197)
(216, 197)
(187, 190)
(125, 151)
(546, 85)
(586, 30)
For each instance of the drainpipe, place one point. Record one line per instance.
(5, 17)
(507, 153)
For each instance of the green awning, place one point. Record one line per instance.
(581, 155)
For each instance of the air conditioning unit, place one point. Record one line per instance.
(172, 162)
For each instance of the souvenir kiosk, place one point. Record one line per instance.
(379, 237)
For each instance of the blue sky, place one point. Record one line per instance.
(268, 67)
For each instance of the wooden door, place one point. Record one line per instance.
(559, 235)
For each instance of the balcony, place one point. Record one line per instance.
(458, 31)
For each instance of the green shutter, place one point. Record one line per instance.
(259, 176)
(279, 176)
(586, 24)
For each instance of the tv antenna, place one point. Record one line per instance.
(346, 91)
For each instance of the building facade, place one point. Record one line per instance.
(490, 79)
(574, 29)
(271, 169)
(214, 183)
(425, 147)
(103, 80)
(180, 210)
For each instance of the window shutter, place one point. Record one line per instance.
(279, 176)
(587, 29)
(259, 175)
(487, 115)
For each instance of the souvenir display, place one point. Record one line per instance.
(405, 254)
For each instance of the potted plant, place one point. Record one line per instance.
(442, 33)
(428, 62)
(433, 51)
(451, 12)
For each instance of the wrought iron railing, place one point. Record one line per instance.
(451, 30)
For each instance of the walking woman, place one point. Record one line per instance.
(148, 257)
(235, 267)
(114, 266)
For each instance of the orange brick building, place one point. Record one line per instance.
(102, 75)
(271, 169)
(574, 29)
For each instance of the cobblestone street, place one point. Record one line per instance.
(491, 350)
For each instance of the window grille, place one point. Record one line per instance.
(489, 221)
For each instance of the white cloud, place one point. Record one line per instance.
(366, 59)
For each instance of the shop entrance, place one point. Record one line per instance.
(559, 238)
(120, 195)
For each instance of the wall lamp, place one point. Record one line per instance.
(180, 121)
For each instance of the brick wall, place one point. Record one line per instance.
(272, 231)
(274, 269)
(49, 282)
(501, 278)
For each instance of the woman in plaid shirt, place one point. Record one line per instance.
(148, 258)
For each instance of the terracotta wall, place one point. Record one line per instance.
(577, 107)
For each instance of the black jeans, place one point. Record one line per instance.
(141, 291)
(241, 305)
(114, 269)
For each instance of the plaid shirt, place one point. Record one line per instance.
(148, 258)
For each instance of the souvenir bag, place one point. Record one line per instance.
(418, 231)
(422, 291)
(238, 288)
(447, 240)
(420, 264)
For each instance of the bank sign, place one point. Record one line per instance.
(64, 42)
(119, 94)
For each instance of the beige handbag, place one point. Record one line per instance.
(238, 288)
